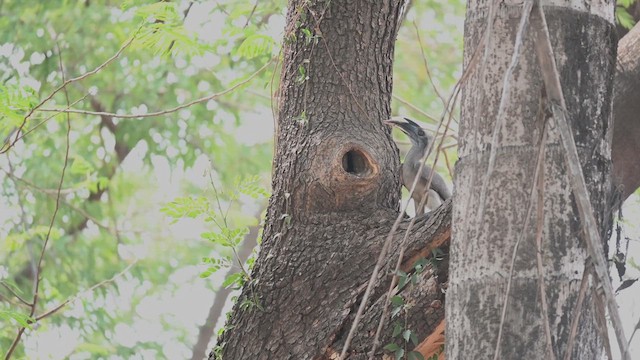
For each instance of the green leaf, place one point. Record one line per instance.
(205, 274)
(625, 3)
(419, 265)
(164, 31)
(414, 339)
(256, 45)
(233, 279)
(23, 320)
(214, 237)
(624, 18)
(392, 347)
(399, 354)
(94, 349)
(395, 311)
(397, 300)
(80, 166)
(191, 207)
(251, 186)
(234, 236)
(397, 329)
(406, 335)
(414, 355)
(15, 102)
(403, 279)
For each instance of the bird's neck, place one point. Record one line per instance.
(416, 153)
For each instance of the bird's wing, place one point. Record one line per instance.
(437, 183)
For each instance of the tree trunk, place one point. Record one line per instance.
(584, 43)
(335, 190)
(626, 130)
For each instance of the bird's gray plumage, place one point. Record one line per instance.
(420, 140)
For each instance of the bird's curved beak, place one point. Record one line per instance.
(392, 122)
(399, 122)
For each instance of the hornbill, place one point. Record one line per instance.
(420, 140)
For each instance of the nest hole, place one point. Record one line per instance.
(355, 162)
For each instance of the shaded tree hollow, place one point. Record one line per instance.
(355, 162)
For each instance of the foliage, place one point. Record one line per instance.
(623, 17)
(403, 337)
(109, 209)
(225, 234)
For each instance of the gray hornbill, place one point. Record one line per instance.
(420, 140)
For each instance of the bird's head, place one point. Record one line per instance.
(416, 133)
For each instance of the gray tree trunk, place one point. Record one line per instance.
(625, 150)
(584, 43)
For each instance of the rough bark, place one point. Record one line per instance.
(625, 148)
(583, 38)
(334, 188)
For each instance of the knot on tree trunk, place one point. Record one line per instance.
(345, 176)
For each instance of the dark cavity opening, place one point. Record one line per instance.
(354, 162)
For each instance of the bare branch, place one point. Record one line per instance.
(89, 290)
(23, 301)
(38, 274)
(68, 107)
(415, 108)
(50, 193)
(162, 112)
(578, 311)
(426, 66)
(64, 85)
(539, 228)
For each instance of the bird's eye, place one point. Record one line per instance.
(420, 133)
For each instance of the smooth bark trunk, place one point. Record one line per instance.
(584, 43)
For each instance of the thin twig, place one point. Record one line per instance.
(162, 112)
(423, 201)
(394, 280)
(49, 193)
(426, 66)
(226, 225)
(38, 274)
(415, 108)
(634, 331)
(601, 319)
(64, 85)
(539, 228)
(68, 107)
(446, 161)
(589, 224)
(253, 10)
(89, 290)
(577, 311)
(23, 301)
